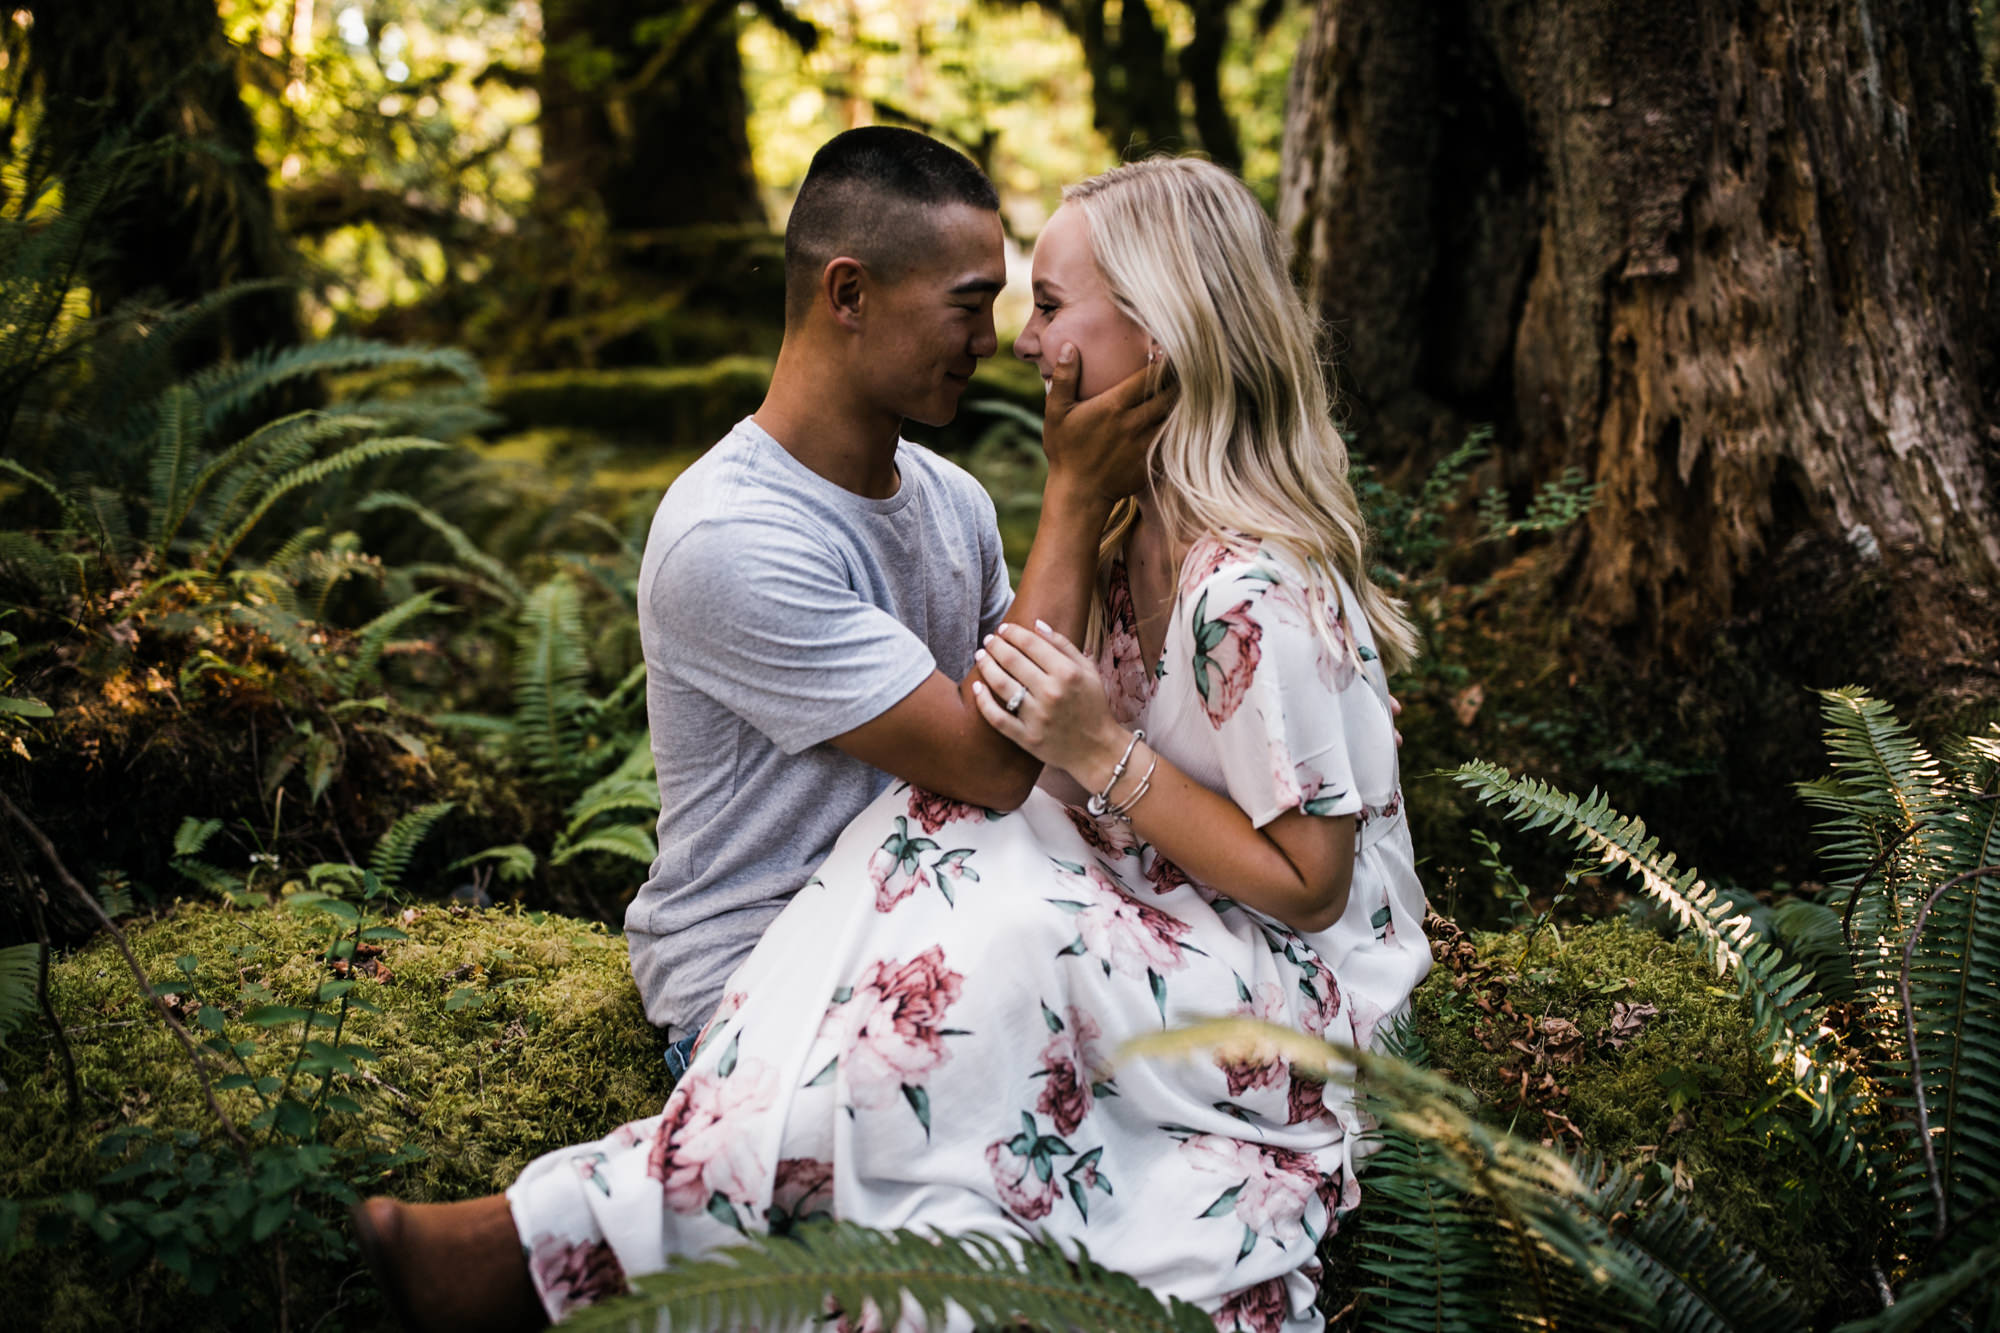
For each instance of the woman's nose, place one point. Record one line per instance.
(1029, 345)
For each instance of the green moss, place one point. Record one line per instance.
(1755, 1176)
(692, 405)
(554, 1050)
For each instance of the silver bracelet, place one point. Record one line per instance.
(1124, 811)
(1100, 804)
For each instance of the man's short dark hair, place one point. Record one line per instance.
(870, 194)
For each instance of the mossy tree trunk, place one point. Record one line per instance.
(643, 112)
(194, 216)
(1736, 261)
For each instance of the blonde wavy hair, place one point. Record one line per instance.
(1189, 255)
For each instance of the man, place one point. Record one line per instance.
(811, 596)
(814, 588)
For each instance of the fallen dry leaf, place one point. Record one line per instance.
(1627, 1022)
(1466, 703)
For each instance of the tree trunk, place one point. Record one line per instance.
(193, 217)
(1734, 259)
(643, 111)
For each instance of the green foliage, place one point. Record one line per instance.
(20, 966)
(1920, 839)
(796, 1278)
(1783, 1019)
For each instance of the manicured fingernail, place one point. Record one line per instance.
(978, 687)
(1067, 354)
(979, 655)
(1043, 626)
(987, 639)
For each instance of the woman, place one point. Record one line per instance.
(923, 1038)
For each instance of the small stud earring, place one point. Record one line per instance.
(1152, 355)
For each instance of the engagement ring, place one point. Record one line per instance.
(1013, 705)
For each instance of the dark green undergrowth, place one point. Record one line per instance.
(500, 1035)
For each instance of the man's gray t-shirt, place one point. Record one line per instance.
(778, 610)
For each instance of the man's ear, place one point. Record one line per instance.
(843, 285)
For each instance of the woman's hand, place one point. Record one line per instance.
(1063, 718)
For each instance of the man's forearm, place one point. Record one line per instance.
(1056, 587)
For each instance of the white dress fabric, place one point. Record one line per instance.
(924, 1036)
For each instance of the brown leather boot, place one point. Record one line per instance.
(449, 1267)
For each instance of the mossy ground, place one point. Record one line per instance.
(1678, 1099)
(555, 1049)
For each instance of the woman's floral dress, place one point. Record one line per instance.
(924, 1036)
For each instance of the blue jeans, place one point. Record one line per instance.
(678, 1056)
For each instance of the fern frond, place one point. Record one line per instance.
(242, 469)
(26, 561)
(514, 862)
(375, 635)
(392, 853)
(284, 629)
(634, 842)
(1811, 933)
(286, 559)
(312, 474)
(550, 671)
(176, 448)
(20, 972)
(1973, 1283)
(789, 1280)
(1781, 1005)
(1881, 795)
(1702, 1282)
(230, 389)
(1431, 1259)
(462, 546)
(1557, 1253)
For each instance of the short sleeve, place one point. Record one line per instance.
(997, 593)
(1265, 682)
(763, 618)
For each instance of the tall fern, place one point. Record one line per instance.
(550, 673)
(394, 849)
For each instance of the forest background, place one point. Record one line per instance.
(349, 346)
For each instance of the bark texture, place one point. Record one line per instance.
(1733, 258)
(193, 212)
(643, 111)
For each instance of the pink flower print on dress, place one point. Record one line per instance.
(1314, 798)
(1259, 1309)
(932, 811)
(896, 868)
(1226, 652)
(1257, 1064)
(1210, 554)
(1305, 1099)
(889, 1030)
(1123, 934)
(1121, 665)
(1074, 1074)
(1027, 1195)
(571, 1274)
(1271, 1190)
(802, 1191)
(704, 1152)
(1107, 837)
(1311, 606)
(1340, 1193)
